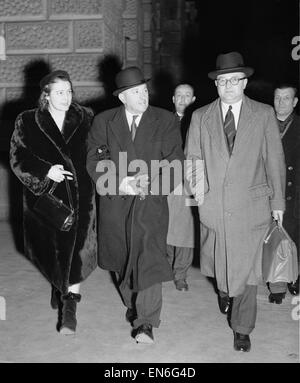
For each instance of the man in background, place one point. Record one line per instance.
(180, 239)
(285, 101)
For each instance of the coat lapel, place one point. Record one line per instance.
(213, 121)
(120, 130)
(73, 120)
(146, 129)
(292, 137)
(47, 125)
(244, 126)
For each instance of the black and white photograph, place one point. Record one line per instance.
(149, 185)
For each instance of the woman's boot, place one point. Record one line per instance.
(68, 321)
(55, 297)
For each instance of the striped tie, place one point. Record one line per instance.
(229, 129)
(133, 127)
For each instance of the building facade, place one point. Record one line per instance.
(37, 36)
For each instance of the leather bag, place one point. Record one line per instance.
(279, 258)
(53, 209)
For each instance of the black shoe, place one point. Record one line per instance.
(69, 322)
(294, 287)
(241, 342)
(224, 304)
(144, 334)
(276, 298)
(55, 297)
(130, 315)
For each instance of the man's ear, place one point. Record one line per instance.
(121, 97)
(193, 99)
(295, 101)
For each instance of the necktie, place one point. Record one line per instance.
(133, 127)
(229, 129)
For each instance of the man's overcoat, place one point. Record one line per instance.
(240, 190)
(133, 231)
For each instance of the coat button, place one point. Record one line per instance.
(288, 198)
(289, 183)
(290, 168)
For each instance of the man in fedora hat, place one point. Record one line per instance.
(133, 219)
(238, 140)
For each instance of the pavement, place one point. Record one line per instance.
(192, 328)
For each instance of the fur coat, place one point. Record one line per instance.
(64, 258)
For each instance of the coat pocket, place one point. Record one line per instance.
(260, 191)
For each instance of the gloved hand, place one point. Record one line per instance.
(127, 186)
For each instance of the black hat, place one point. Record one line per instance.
(128, 78)
(48, 79)
(230, 63)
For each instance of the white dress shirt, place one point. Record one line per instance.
(129, 117)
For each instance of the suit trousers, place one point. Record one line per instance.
(147, 303)
(180, 259)
(243, 310)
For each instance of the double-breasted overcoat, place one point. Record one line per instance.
(133, 231)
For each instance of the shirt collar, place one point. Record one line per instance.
(236, 109)
(129, 117)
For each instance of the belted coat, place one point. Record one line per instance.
(133, 231)
(63, 257)
(239, 190)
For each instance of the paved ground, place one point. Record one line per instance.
(192, 330)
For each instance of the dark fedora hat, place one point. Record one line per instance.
(229, 63)
(128, 78)
(48, 79)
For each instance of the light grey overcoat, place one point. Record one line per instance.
(240, 191)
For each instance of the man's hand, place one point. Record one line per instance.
(278, 216)
(127, 186)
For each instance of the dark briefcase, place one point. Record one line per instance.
(53, 209)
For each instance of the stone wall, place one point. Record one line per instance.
(75, 35)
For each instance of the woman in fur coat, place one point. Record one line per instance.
(48, 144)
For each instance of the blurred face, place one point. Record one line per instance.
(228, 92)
(136, 99)
(284, 102)
(60, 96)
(183, 97)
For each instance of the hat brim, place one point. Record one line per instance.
(247, 70)
(120, 90)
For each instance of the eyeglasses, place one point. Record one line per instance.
(232, 80)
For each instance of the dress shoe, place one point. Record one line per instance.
(144, 334)
(224, 304)
(294, 287)
(276, 298)
(241, 342)
(181, 285)
(69, 321)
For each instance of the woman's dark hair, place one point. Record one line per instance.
(45, 84)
